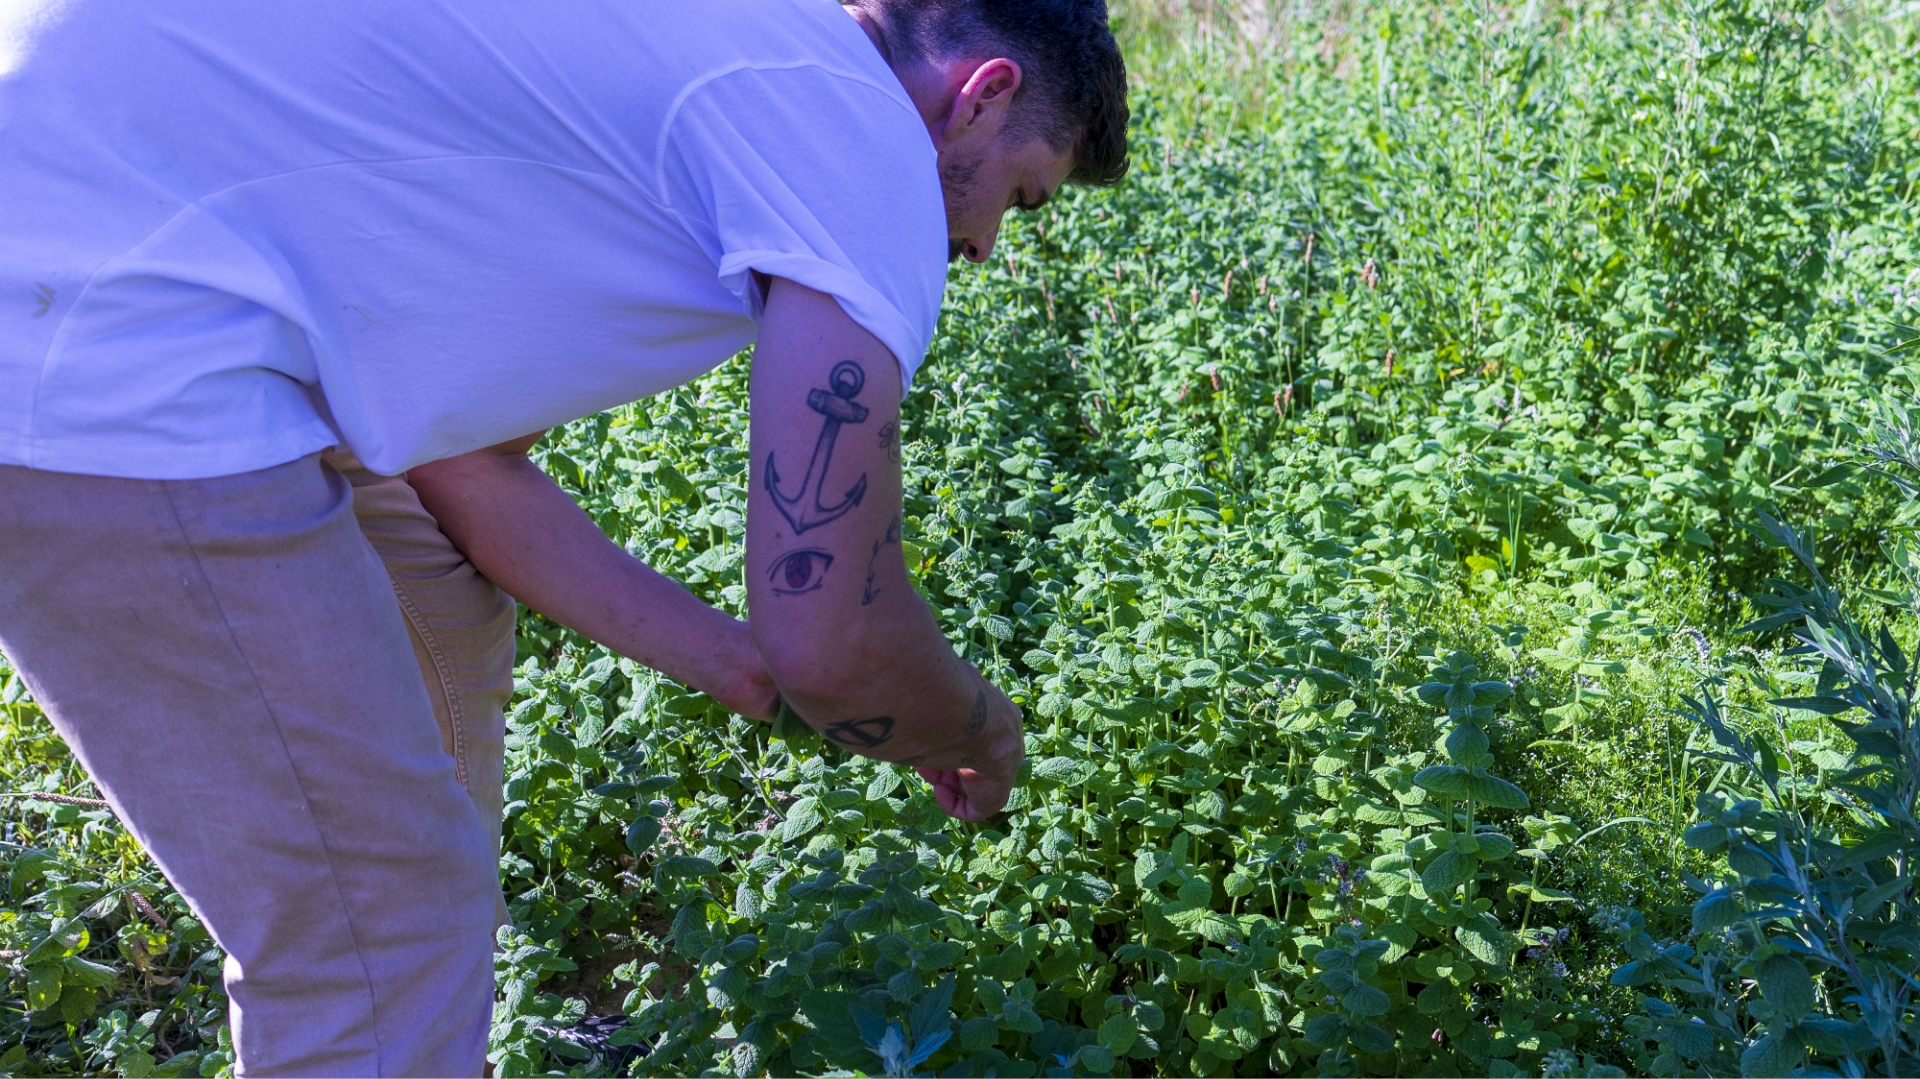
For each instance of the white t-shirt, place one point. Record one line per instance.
(234, 232)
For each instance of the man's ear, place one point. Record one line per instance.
(981, 106)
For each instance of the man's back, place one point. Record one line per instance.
(233, 218)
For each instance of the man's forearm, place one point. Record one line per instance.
(835, 613)
(894, 691)
(526, 535)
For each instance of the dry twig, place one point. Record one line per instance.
(146, 908)
(63, 799)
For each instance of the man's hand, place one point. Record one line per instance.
(523, 533)
(852, 646)
(978, 792)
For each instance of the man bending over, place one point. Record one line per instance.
(292, 289)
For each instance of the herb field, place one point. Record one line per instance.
(1382, 505)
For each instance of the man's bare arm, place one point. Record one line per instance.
(848, 640)
(526, 535)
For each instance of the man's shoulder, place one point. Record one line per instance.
(693, 43)
(775, 46)
(807, 93)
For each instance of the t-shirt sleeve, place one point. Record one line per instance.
(820, 178)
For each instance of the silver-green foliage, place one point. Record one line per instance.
(1807, 939)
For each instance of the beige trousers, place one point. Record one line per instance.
(238, 663)
(460, 626)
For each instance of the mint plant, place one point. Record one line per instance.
(1425, 346)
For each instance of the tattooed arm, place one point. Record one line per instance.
(849, 642)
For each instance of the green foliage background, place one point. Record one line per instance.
(1406, 409)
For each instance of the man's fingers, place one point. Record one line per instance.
(946, 788)
(966, 794)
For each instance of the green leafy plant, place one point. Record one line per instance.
(1426, 351)
(1808, 939)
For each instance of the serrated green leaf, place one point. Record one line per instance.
(1771, 1055)
(1485, 941)
(1366, 1000)
(1119, 1032)
(1715, 911)
(1787, 985)
(1326, 1031)
(1497, 793)
(1369, 1038)
(1448, 871)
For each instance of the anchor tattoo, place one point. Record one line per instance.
(839, 408)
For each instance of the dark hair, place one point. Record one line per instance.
(1073, 89)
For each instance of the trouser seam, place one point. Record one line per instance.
(456, 716)
(333, 873)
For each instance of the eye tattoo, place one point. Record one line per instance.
(872, 591)
(800, 571)
(890, 441)
(977, 722)
(861, 733)
(806, 509)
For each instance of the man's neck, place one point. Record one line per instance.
(925, 83)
